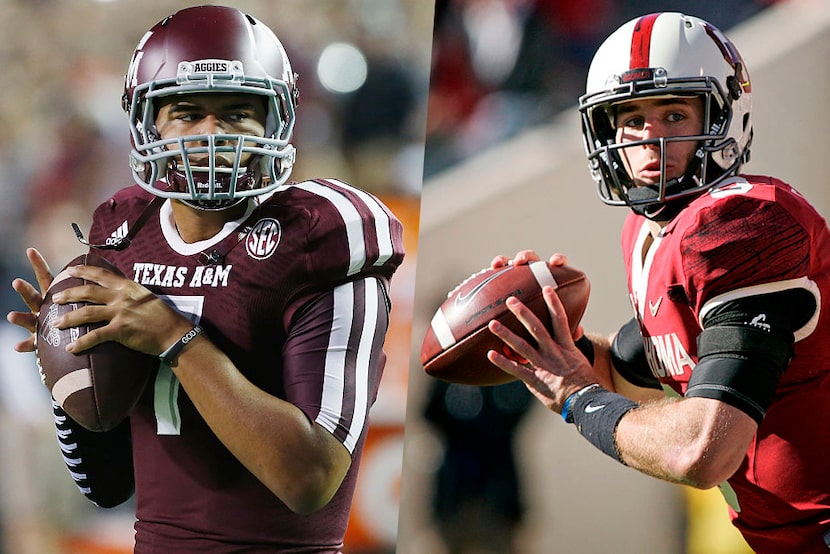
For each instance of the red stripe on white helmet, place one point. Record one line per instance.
(641, 41)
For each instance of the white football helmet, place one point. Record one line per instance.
(210, 49)
(667, 54)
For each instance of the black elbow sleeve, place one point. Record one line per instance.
(740, 366)
(628, 354)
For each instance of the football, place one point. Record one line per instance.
(457, 341)
(98, 387)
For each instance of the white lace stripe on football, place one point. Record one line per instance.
(543, 275)
(71, 383)
(442, 330)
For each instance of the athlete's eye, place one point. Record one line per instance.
(238, 116)
(633, 122)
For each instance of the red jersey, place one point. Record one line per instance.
(295, 294)
(749, 236)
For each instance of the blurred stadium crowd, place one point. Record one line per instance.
(500, 66)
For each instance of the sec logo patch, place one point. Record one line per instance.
(263, 239)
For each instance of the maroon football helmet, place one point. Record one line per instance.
(210, 49)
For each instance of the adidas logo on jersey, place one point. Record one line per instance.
(118, 235)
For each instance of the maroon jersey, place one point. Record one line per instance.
(295, 294)
(749, 236)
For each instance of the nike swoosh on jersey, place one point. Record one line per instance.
(654, 306)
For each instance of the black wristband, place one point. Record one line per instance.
(596, 413)
(585, 346)
(170, 355)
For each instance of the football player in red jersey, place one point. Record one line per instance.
(722, 377)
(265, 300)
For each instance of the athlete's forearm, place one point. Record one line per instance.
(697, 442)
(299, 461)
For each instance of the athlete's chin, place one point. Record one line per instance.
(205, 162)
(652, 178)
(646, 183)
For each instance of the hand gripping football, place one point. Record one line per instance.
(456, 344)
(97, 387)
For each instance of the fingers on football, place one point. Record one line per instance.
(27, 320)
(558, 316)
(89, 313)
(42, 272)
(512, 340)
(92, 293)
(529, 320)
(558, 259)
(97, 275)
(499, 261)
(524, 257)
(29, 294)
(27, 345)
(508, 365)
(89, 339)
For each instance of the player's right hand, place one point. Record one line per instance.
(32, 297)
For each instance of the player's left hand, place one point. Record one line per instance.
(135, 317)
(555, 368)
(524, 257)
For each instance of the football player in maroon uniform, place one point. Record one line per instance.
(267, 302)
(722, 378)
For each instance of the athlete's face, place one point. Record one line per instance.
(207, 114)
(658, 118)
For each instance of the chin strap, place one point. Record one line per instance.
(667, 209)
(125, 241)
(663, 211)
